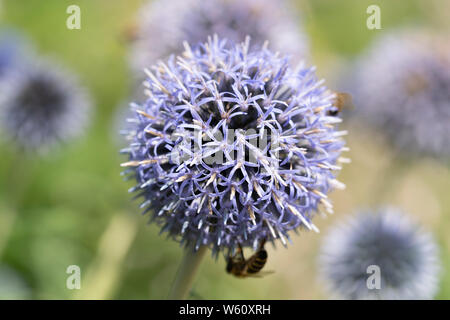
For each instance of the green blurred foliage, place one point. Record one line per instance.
(59, 210)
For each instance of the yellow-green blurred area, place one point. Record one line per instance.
(72, 207)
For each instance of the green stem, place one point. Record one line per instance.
(186, 273)
(17, 179)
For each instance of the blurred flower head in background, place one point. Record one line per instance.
(407, 257)
(12, 285)
(402, 85)
(164, 25)
(123, 117)
(214, 89)
(12, 49)
(122, 125)
(42, 104)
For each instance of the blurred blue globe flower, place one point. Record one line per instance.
(406, 256)
(402, 85)
(123, 120)
(13, 49)
(12, 285)
(233, 146)
(41, 104)
(164, 25)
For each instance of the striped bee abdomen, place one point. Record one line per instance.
(257, 262)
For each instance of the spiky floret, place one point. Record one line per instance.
(164, 25)
(207, 108)
(402, 85)
(406, 256)
(42, 104)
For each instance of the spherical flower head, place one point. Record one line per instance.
(233, 146)
(384, 243)
(164, 25)
(402, 85)
(41, 104)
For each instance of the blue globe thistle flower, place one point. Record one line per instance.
(42, 104)
(402, 85)
(406, 256)
(164, 25)
(193, 151)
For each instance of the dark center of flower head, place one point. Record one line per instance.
(232, 146)
(41, 98)
(394, 251)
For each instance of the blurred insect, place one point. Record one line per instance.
(341, 101)
(240, 267)
(129, 33)
(416, 83)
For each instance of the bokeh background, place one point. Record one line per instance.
(72, 206)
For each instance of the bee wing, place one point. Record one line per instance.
(259, 274)
(346, 100)
(129, 32)
(265, 273)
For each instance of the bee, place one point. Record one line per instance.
(416, 83)
(129, 33)
(240, 267)
(341, 101)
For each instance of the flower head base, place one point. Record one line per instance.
(41, 105)
(164, 25)
(405, 256)
(403, 86)
(233, 146)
